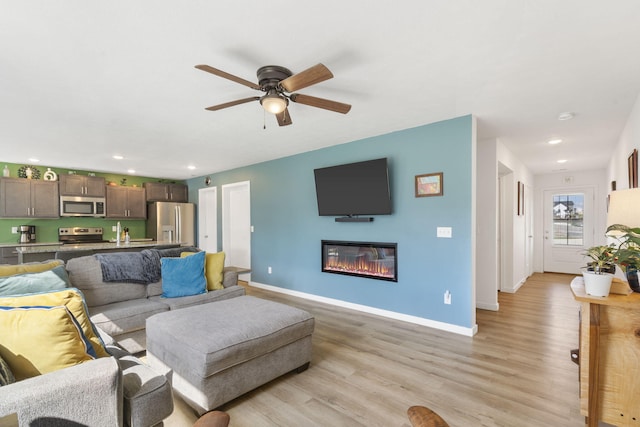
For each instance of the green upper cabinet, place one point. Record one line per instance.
(80, 185)
(161, 192)
(27, 198)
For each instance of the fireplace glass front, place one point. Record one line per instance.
(364, 259)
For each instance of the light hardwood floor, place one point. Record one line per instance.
(368, 370)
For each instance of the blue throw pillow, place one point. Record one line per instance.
(28, 283)
(182, 277)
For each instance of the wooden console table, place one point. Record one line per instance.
(609, 357)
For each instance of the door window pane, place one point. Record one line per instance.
(568, 211)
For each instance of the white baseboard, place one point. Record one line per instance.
(487, 306)
(469, 332)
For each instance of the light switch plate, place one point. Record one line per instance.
(444, 232)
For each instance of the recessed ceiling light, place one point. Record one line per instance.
(118, 157)
(131, 171)
(562, 161)
(566, 116)
(32, 160)
(191, 167)
(554, 141)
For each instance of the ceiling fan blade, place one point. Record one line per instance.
(310, 76)
(326, 104)
(232, 103)
(284, 119)
(228, 76)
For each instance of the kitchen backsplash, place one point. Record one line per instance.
(47, 229)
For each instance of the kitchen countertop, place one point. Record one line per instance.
(35, 248)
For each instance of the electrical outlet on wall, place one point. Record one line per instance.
(14, 230)
(447, 297)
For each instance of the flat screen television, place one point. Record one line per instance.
(354, 189)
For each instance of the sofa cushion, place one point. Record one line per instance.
(71, 298)
(28, 283)
(213, 266)
(6, 376)
(183, 276)
(30, 267)
(37, 340)
(85, 273)
(188, 301)
(125, 316)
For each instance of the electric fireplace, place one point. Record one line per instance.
(363, 259)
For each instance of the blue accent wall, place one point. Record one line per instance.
(288, 229)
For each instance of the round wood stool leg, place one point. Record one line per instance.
(419, 416)
(213, 419)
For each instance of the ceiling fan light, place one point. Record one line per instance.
(274, 103)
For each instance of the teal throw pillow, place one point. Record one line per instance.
(30, 283)
(183, 276)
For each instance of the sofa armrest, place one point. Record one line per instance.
(229, 277)
(87, 394)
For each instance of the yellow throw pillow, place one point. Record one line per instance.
(38, 340)
(73, 299)
(213, 266)
(32, 267)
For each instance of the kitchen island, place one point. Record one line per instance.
(40, 252)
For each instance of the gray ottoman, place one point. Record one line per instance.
(215, 352)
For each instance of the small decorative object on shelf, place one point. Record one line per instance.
(5, 172)
(29, 172)
(50, 175)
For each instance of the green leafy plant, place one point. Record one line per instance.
(627, 253)
(603, 258)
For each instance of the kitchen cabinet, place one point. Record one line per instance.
(8, 255)
(126, 202)
(80, 185)
(161, 192)
(28, 198)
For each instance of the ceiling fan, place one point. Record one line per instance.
(279, 83)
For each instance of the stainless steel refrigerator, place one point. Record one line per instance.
(171, 222)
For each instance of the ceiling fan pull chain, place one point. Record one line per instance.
(264, 119)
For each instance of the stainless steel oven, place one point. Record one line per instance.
(82, 206)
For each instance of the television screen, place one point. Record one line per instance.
(354, 189)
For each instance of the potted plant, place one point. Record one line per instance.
(599, 272)
(627, 254)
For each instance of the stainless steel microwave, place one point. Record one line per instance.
(82, 206)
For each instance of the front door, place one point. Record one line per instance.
(568, 228)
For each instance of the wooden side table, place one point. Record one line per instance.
(609, 357)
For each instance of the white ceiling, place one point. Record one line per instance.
(83, 80)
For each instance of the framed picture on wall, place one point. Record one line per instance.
(632, 165)
(429, 184)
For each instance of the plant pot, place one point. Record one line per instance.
(597, 285)
(632, 278)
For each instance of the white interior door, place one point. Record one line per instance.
(236, 225)
(208, 219)
(568, 228)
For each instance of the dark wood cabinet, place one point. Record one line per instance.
(126, 202)
(80, 185)
(161, 192)
(28, 198)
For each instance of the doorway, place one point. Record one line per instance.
(568, 228)
(208, 219)
(236, 225)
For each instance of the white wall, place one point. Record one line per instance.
(487, 226)
(518, 239)
(629, 139)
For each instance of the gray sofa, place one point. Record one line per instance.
(121, 309)
(109, 391)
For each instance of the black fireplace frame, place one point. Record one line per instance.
(385, 245)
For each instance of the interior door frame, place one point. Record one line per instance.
(208, 219)
(232, 209)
